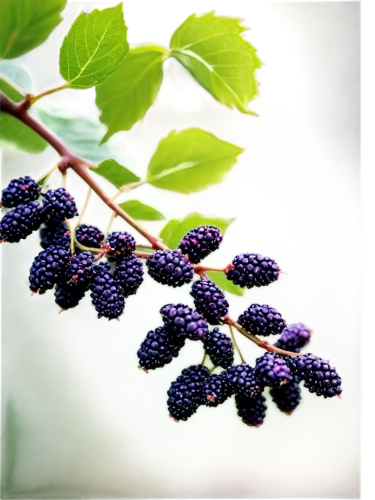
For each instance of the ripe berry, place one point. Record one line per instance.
(319, 376)
(170, 267)
(243, 380)
(129, 273)
(48, 267)
(184, 322)
(200, 242)
(19, 191)
(159, 348)
(294, 337)
(185, 393)
(272, 370)
(80, 269)
(219, 348)
(287, 397)
(209, 301)
(251, 410)
(67, 296)
(121, 243)
(250, 269)
(106, 294)
(59, 203)
(54, 232)
(262, 320)
(216, 389)
(19, 223)
(89, 236)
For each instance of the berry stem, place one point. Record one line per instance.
(199, 269)
(142, 255)
(83, 209)
(46, 176)
(113, 217)
(204, 358)
(63, 178)
(235, 343)
(33, 98)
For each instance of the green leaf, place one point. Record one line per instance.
(173, 232)
(222, 282)
(15, 135)
(214, 51)
(140, 211)
(94, 47)
(14, 81)
(25, 24)
(191, 160)
(115, 173)
(125, 96)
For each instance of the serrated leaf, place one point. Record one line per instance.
(140, 211)
(173, 232)
(25, 24)
(191, 160)
(126, 95)
(214, 51)
(14, 81)
(15, 135)
(222, 282)
(94, 47)
(115, 173)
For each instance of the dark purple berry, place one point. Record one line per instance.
(89, 236)
(67, 296)
(272, 370)
(262, 320)
(129, 273)
(243, 380)
(287, 397)
(20, 191)
(251, 410)
(209, 300)
(294, 337)
(19, 223)
(80, 269)
(319, 376)
(48, 268)
(200, 242)
(219, 348)
(184, 321)
(185, 394)
(170, 267)
(54, 232)
(216, 389)
(250, 269)
(158, 349)
(106, 294)
(121, 243)
(59, 203)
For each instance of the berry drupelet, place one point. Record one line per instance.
(170, 267)
(319, 376)
(158, 349)
(209, 301)
(106, 294)
(183, 321)
(272, 370)
(185, 394)
(251, 410)
(243, 380)
(287, 397)
(121, 243)
(200, 242)
(48, 268)
(219, 348)
(20, 191)
(262, 320)
(59, 203)
(250, 269)
(294, 337)
(216, 389)
(129, 273)
(54, 232)
(21, 221)
(89, 236)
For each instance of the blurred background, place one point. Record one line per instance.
(79, 419)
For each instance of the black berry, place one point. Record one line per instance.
(80, 269)
(243, 380)
(121, 243)
(216, 389)
(262, 320)
(200, 242)
(48, 267)
(294, 337)
(129, 273)
(250, 269)
(219, 348)
(272, 370)
(287, 397)
(184, 321)
(159, 348)
(54, 232)
(89, 236)
(170, 267)
(59, 203)
(21, 221)
(251, 410)
(106, 294)
(209, 301)
(20, 191)
(67, 296)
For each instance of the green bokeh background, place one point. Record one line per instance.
(79, 420)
